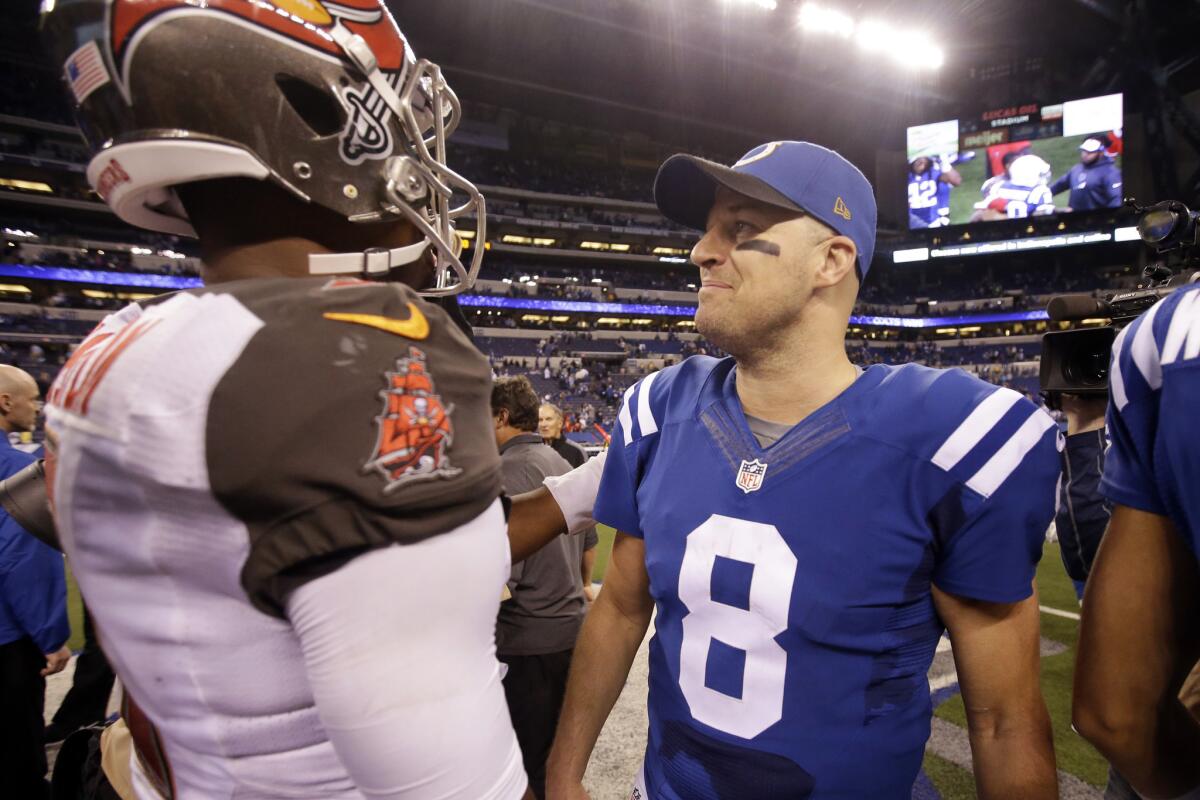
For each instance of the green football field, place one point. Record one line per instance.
(1060, 153)
(1074, 754)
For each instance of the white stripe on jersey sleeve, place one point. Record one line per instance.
(1006, 460)
(626, 418)
(972, 430)
(1144, 349)
(1184, 334)
(1116, 380)
(646, 422)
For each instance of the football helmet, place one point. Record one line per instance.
(1029, 170)
(324, 99)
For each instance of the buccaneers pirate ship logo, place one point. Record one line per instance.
(414, 427)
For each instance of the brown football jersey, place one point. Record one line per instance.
(358, 416)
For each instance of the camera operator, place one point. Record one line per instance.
(1140, 633)
(1082, 512)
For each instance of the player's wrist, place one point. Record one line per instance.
(575, 492)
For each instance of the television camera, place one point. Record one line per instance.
(1076, 361)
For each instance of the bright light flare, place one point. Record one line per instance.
(908, 48)
(825, 20)
(764, 5)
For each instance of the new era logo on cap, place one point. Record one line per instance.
(839, 208)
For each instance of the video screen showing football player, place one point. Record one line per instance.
(929, 182)
(1021, 192)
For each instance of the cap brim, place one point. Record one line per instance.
(686, 186)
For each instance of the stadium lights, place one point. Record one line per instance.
(29, 186)
(765, 5)
(140, 251)
(673, 259)
(1129, 234)
(825, 20)
(24, 234)
(172, 254)
(908, 48)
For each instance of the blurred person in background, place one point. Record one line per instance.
(550, 426)
(1095, 182)
(1140, 634)
(33, 611)
(91, 684)
(537, 627)
(1082, 511)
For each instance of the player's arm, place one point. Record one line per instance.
(997, 657)
(607, 644)
(563, 504)
(587, 564)
(533, 521)
(951, 177)
(1139, 639)
(1062, 183)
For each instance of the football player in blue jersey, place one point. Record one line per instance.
(1140, 633)
(929, 182)
(805, 530)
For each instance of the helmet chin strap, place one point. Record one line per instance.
(372, 262)
(375, 261)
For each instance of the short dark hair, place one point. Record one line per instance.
(515, 395)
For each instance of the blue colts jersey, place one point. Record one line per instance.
(795, 622)
(1154, 390)
(923, 194)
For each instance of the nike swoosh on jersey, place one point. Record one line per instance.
(415, 327)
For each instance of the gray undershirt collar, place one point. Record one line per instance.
(768, 433)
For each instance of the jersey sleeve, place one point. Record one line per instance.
(616, 501)
(634, 439)
(1135, 379)
(989, 526)
(358, 416)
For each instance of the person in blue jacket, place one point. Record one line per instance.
(33, 610)
(1095, 182)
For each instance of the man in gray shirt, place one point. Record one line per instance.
(537, 627)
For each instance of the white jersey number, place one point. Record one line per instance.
(752, 631)
(1017, 209)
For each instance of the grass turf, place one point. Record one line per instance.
(1075, 756)
(951, 780)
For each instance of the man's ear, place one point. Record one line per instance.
(6, 402)
(501, 417)
(839, 260)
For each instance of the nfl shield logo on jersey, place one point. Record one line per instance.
(750, 476)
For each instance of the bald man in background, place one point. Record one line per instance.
(33, 610)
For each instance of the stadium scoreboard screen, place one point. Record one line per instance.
(1016, 161)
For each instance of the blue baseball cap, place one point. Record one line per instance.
(799, 176)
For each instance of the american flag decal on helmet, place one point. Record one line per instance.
(85, 71)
